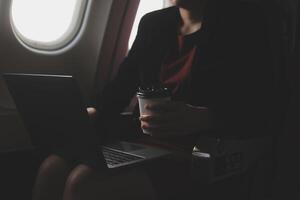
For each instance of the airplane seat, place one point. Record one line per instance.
(288, 174)
(285, 51)
(253, 158)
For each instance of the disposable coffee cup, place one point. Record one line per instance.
(151, 96)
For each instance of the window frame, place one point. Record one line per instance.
(64, 42)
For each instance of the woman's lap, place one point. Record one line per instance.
(163, 179)
(169, 178)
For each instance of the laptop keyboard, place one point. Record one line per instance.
(114, 157)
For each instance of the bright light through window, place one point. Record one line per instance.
(45, 21)
(144, 7)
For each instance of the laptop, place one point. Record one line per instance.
(55, 115)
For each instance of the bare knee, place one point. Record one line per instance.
(89, 184)
(78, 175)
(79, 182)
(53, 165)
(51, 178)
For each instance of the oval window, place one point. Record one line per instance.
(47, 24)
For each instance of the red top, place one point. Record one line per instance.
(177, 65)
(175, 72)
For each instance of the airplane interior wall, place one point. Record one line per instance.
(81, 61)
(100, 43)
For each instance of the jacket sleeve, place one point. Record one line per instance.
(118, 93)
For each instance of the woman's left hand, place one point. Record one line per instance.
(174, 118)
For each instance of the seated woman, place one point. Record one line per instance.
(213, 56)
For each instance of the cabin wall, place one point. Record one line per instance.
(81, 61)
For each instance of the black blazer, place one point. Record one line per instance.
(231, 74)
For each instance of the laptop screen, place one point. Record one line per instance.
(54, 113)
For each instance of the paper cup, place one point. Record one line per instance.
(151, 96)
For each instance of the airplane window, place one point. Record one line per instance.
(47, 24)
(145, 6)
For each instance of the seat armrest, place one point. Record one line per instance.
(214, 159)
